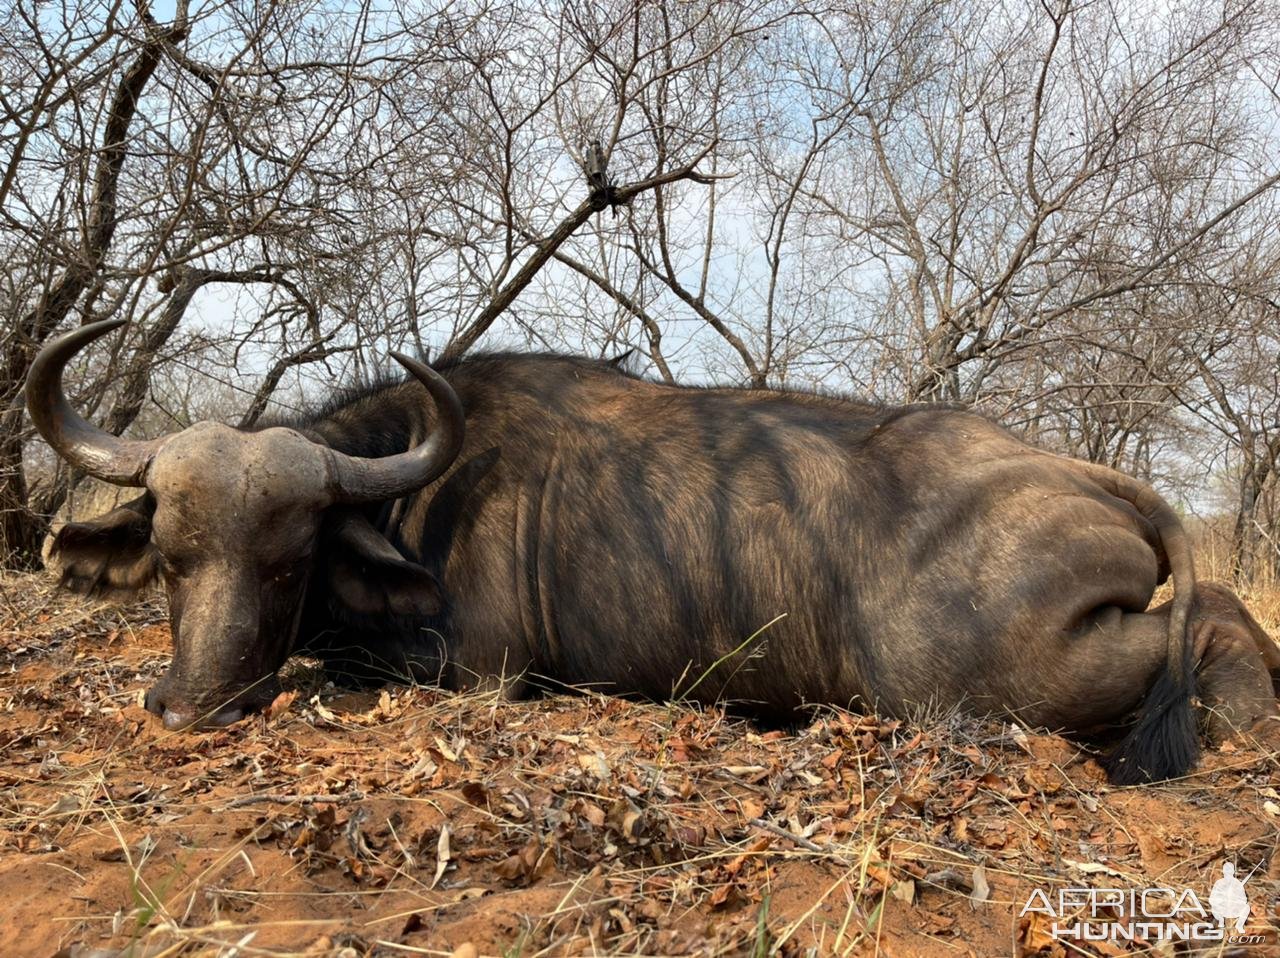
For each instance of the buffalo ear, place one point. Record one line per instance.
(109, 555)
(369, 578)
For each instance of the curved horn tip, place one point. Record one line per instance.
(62, 348)
(91, 331)
(114, 322)
(411, 363)
(368, 480)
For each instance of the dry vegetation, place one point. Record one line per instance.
(413, 821)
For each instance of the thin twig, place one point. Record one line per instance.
(288, 799)
(788, 835)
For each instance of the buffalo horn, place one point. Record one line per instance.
(85, 446)
(372, 480)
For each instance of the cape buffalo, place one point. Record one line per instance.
(769, 548)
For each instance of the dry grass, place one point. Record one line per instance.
(1262, 595)
(416, 822)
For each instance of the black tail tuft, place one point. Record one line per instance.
(1164, 742)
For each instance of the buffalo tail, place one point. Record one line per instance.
(1163, 743)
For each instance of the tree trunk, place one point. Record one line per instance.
(22, 529)
(1244, 534)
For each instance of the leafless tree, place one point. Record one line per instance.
(338, 162)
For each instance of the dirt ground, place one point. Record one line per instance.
(416, 822)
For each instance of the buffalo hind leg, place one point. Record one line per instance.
(1117, 658)
(1237, 665)
(1235, 661)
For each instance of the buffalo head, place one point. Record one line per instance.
(235, 522)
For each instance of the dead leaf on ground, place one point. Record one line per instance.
(981, 890)
(442, 855)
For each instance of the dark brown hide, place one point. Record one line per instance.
(919, 556)
(632, 534)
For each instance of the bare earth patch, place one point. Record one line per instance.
(418, 822)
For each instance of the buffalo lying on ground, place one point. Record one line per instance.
(597, 530)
